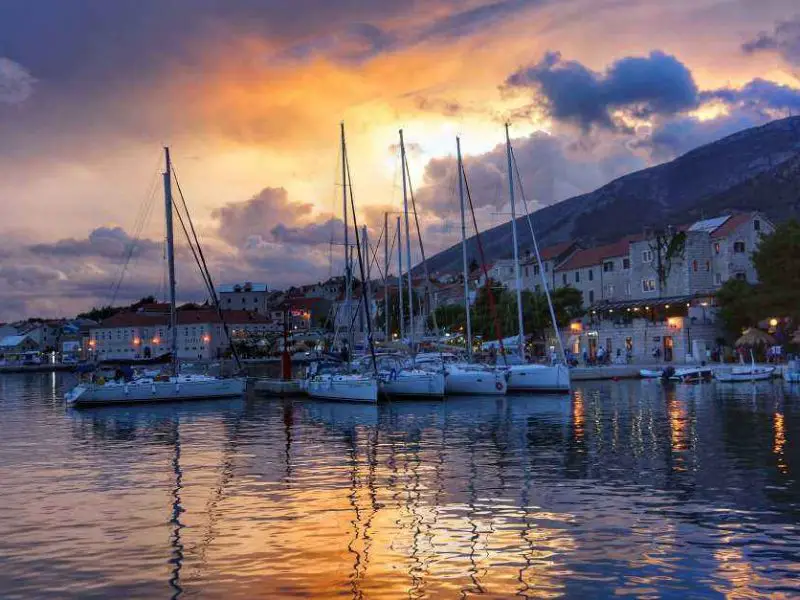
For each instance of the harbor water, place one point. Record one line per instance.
(625, 488)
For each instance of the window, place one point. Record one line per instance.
(608, 266)
(648, 285)
(716, 248)
(757, 225)
(708, 266)
(741, 276)
(535, 269)
(546, 267)
(591, 296)
(717, 278)
(538, 288)
(626, 263)
(627, 289)
(738, 247)
(694, 266)
(647, 256)
(229, 300)
(526, 271)
(564, 278)
(591, 275)
(609, 291)
(577, 276)
(255, 300)
(243, 299)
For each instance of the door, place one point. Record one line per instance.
(668, 345)
(592, 348)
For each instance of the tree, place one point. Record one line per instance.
(450, 316)
(777, 261)
(667, 247)
(737, 302)
(567, 304)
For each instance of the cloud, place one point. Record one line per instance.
(658, 84)
(311, 233)
(466, 22)
(16, 83)
(552, 167)
(111, 243)
(353, 44)
(32, 276)
(784, 40)
(239, 221)
(759, 95)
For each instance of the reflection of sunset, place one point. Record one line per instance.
(780, 442)
(578, 414)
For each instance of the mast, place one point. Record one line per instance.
(386, 274)
(464, 248)
(400, 280)
(365, 291)
(347, 273)
(408, 247)
(173, 314)
(516, 249)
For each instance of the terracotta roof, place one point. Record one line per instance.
(731, 225)
(185, 317)
(594, 256)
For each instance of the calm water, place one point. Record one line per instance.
(620, 489)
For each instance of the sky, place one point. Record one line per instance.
(250, 94)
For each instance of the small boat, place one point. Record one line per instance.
(651, 373)
(155, 389)
(744, 374)
(411, 382)
(462, 378)
(692, 374)
(353, 387)
(538, 378)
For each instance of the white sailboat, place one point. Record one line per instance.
(745, 373)
(532, 377)
(159, 389)
(339, 384)
(466, 378)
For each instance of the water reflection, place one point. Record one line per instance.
(621, 488)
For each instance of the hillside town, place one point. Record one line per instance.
(647, 297)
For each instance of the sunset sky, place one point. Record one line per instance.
(249, 95)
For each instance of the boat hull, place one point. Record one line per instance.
(154, 391)
(651, 373)
(343, 388)
(692, 375)
(538, 378)
(417, 385)
(466, 382)
(745, 376)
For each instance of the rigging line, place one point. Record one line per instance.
(538, 257)
(360, 263)
(205, 272)
(375, 260)
(142, 217)
(422, 252)
(197, 252)
(492, 305)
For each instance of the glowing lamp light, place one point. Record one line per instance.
(136, 341)
(156, 341)
(207, 338)
(667, 306)
(610, 310)
(636, 309)
(674, 322)
(575, 327)
(773, 322)
(92, 343)
(688, 305)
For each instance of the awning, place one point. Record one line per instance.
(644, 303)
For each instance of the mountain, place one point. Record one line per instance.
(755, 169)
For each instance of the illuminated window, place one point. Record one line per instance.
(648, 285)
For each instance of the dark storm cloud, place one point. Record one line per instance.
(658, 84)
(783, 40)
(471, 20)
(104, 242)
(759, 94)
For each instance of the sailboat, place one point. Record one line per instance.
(333, 383)
(403, 378)
(174, 386)
(466, 378)
(531, 377)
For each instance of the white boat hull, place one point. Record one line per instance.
(474, 382)
(413, 384)
(538, 378)
(692, 374)
(744, 375)
(155, 391)
(651, 373)
(345, 388)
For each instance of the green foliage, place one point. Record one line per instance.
(394, 311)
(450, 317)
(777, 294)
(777, 262)
(737, 302)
